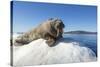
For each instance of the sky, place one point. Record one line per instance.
(28, 15)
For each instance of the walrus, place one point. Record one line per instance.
(51, 30)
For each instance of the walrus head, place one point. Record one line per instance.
(58, 25)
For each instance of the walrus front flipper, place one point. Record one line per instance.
(51, 42)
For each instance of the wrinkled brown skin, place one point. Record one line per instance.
(51, 30)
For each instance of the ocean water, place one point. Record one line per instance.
(86, 40)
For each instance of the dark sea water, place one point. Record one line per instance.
(87, 40)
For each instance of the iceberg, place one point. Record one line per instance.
(39, 53)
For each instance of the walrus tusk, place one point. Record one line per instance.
(59, 31)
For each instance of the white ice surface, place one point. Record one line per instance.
(38, 52)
